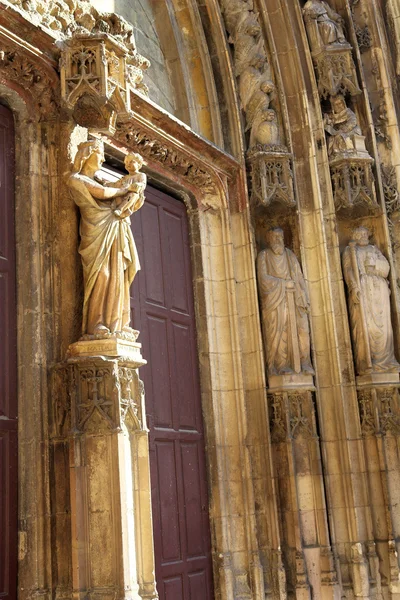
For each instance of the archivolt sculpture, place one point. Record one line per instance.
(109, 256)
(284, 305)
(270, 162)
(365, 271)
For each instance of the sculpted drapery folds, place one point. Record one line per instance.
(284, 306)
(341, 124)
(107, 248)
(365, 271)
(329, 25)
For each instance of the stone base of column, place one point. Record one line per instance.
(101, 415)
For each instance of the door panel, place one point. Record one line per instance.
(163, 311)
(8, 364)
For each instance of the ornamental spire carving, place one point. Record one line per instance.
(269, 160)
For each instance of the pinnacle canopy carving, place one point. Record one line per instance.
(67, 18)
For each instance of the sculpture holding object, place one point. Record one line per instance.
(107, 248)
(350, 163)
(284, 308)
(365, 271)
(331, 52)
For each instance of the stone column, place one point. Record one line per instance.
(100, 404)
(379, 406)
(298, 470)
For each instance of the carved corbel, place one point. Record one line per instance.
(271, 177)
(350, 163)
(330, 51)
(95, 85)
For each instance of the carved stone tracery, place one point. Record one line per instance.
(94, 81)
(379, 410)
(350, 162)
(96, 394)
(268, 158)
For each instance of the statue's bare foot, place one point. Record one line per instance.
(307, 368)
(100, 329)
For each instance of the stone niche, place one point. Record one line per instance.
(96, 80)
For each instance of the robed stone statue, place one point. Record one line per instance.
(365, 271)
(107, 248)
(329, 24)
(284, 307)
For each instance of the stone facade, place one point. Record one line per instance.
(260, 115)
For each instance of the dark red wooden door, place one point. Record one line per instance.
(163, 311)
(8, 364)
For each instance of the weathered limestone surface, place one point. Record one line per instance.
(303, 463)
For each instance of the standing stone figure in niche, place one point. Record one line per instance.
(365, 271)
(109, 256)
(285, 307)
(329, 25)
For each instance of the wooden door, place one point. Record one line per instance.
(8, 364)
(163, 311)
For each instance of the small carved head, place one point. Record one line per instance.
(269, 114)
(93, 151)
(338, 104)
(360, 236)
(267, 86)
(133, 162)
(275, 240)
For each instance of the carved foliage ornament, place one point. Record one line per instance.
(18, 68)
(66, 18)
(170, 158)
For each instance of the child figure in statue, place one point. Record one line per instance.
(126, 205)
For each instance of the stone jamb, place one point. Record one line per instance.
(237, 568)
(36, 305)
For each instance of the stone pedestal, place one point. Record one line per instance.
(291, 381)
(271, 177)
(298, 471)
(100, 412)
(379, 406)
(352, 179)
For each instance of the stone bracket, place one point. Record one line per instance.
(271, 177)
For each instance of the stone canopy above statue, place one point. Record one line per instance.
(331, 52)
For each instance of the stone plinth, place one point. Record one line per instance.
(378, 379)
(112, 347)
(291, 381)
(100, 415)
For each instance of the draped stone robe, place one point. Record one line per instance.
(109, 257)
(327, 21)
(373, 269)
(274, 271)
